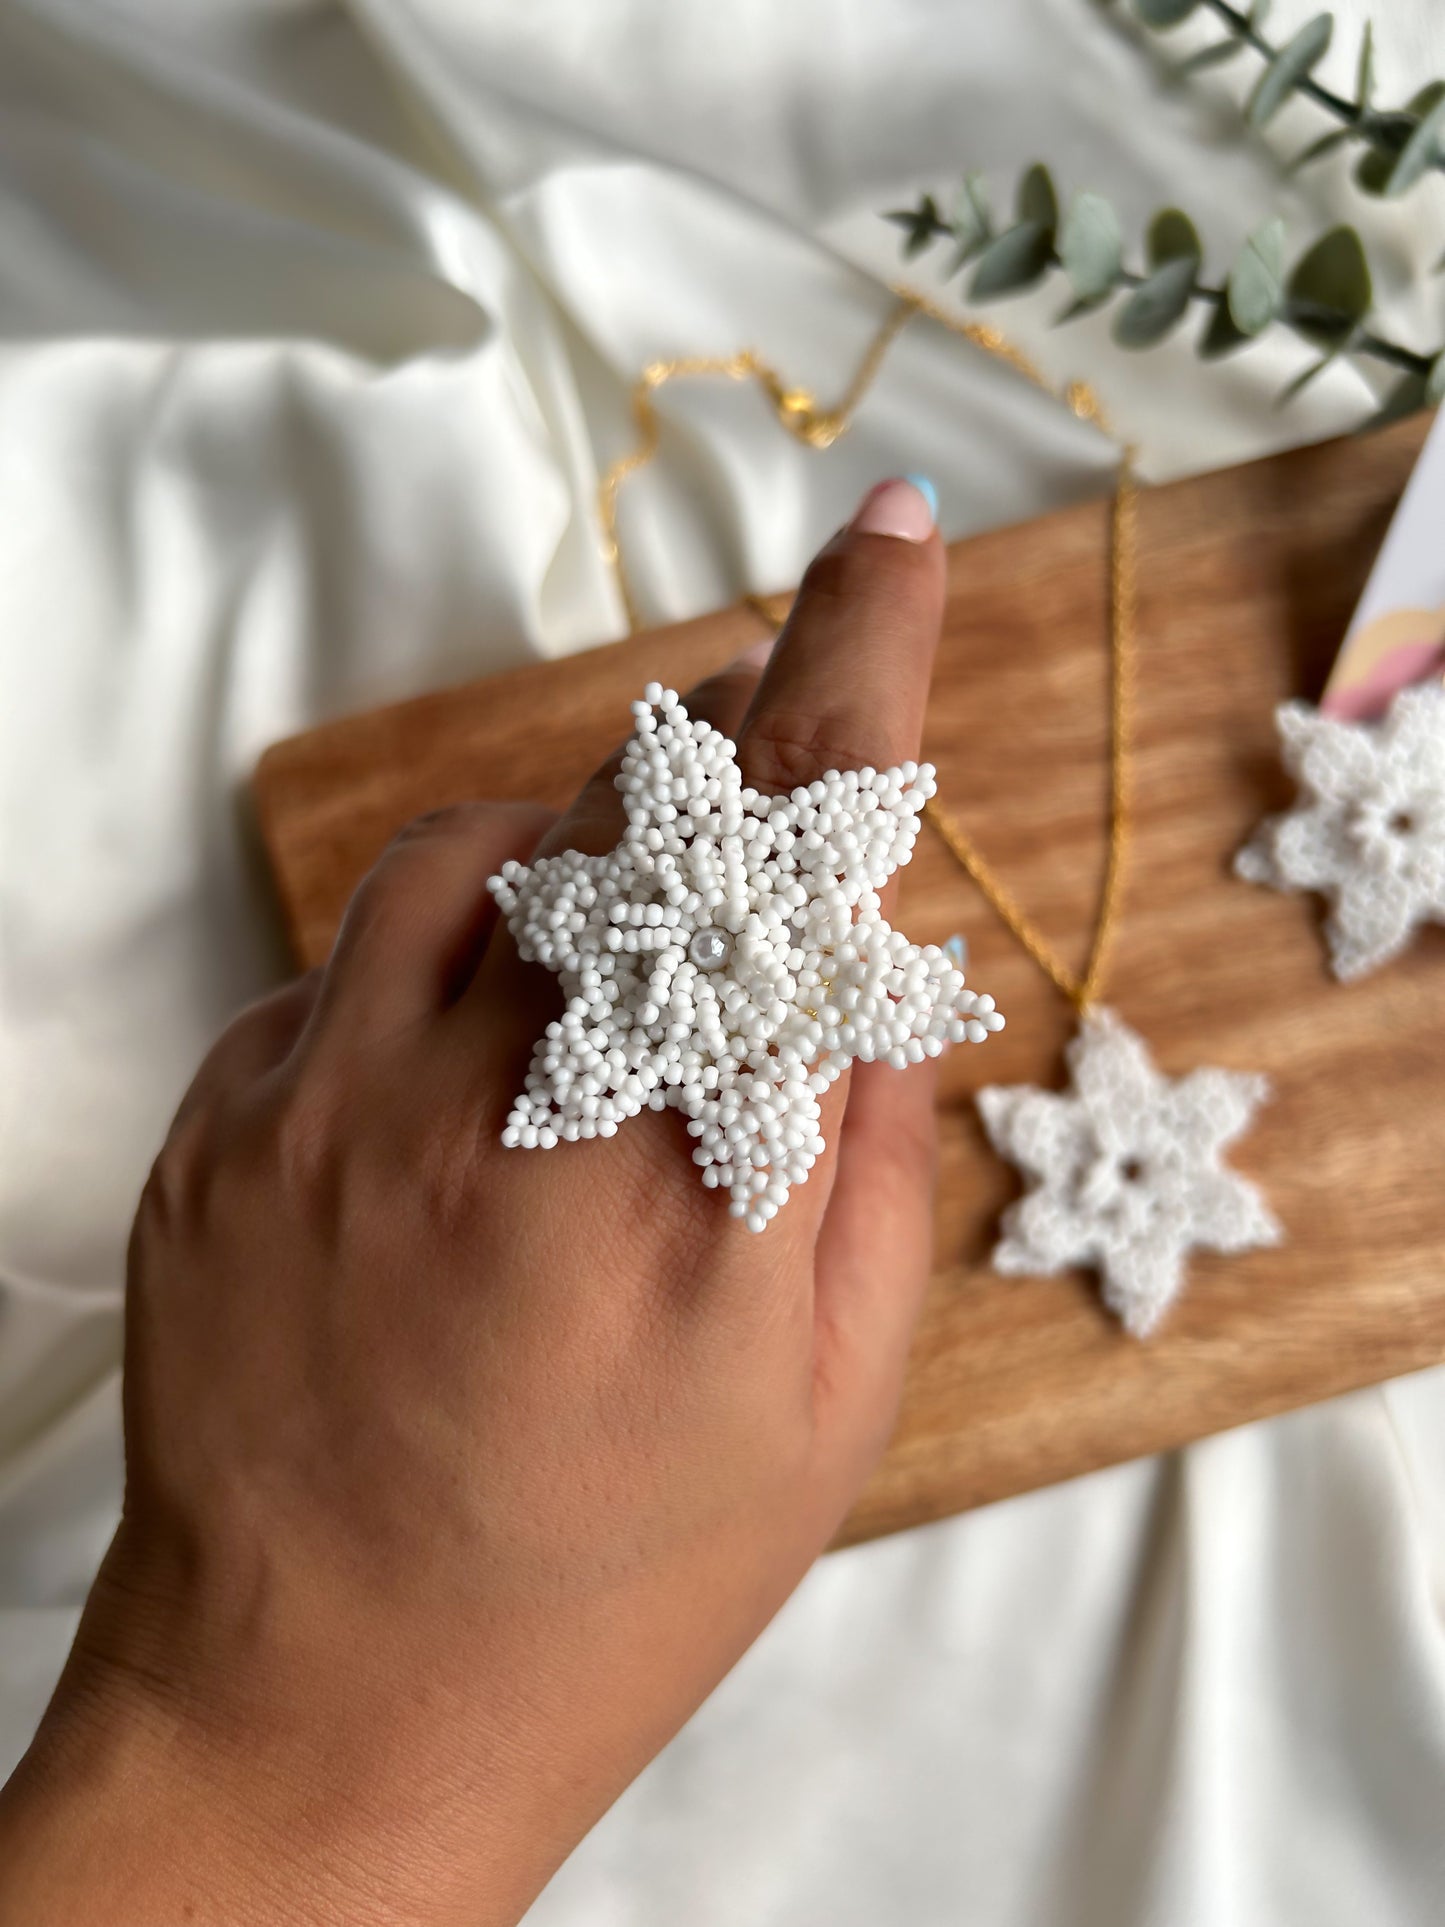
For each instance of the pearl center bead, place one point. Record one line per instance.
(710, 949)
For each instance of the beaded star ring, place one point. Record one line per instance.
(729, 958)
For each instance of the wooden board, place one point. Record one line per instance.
(1248, 579)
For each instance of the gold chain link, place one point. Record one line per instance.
(799, 412)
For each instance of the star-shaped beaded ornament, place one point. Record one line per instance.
(729, 958)
(1369, 827)
(1124, 1171)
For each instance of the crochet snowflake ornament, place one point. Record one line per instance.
(728, 958)
(1369, 827)
(1124, 1171)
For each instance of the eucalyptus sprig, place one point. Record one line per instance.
(1325, 297)
(1401, 144)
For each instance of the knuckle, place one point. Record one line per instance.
(507, 822)
(723, 696)
(180, 1176)
(372, 907)
(786, 748)
(592, 821)
(179, 1196)
(450, 820)
(384, 910)
(166, 1198)
(595, 814)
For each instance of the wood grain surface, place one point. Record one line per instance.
(1248, 578)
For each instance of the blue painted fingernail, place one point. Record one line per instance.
(927, 491)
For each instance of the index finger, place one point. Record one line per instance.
(847, 686)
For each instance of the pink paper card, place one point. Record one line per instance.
(1397, 634)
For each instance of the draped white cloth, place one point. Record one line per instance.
(316, 324)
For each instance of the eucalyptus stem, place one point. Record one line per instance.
(1325, 296)
(1401, 144)
(1363, 342)
(1243, 28)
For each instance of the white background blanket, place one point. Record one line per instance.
(316, 325)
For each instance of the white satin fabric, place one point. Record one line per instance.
(316, 324)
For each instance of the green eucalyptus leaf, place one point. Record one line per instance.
(970, 206)
(965, 252)
(1079, 307)
(1365, 71)
(1214, 55)
(1435, 380)
(906, 217)
(1329, 292)
(1172, 237)
(1156, 305)
(1221, 337)
(1323, 328)
(1429, 97)
(920, 225)
(1326, 144)
(1164, 13)
(1296, 57)
(1420, 152)
(1037, 201)
(1090, 246)
(1258, 14)
(1410, 394)
(972, 230)
(1256, 281)
(1373, 171)
(1390, 131)
(1015, 260)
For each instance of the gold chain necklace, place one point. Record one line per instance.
(800, 413)
(1124, 1172)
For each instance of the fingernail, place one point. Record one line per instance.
(906, 507)
(757, 657)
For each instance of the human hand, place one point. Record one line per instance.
(458, 1476)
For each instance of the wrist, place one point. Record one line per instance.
(316, 1788)
(118, 1813)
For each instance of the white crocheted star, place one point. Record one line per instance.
(1124, 1171)
(1369, 827)
(728, 958)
